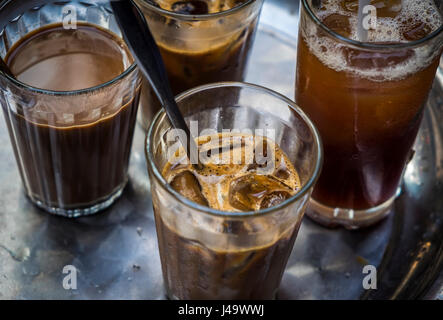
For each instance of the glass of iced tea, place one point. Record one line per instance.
(366, 98)
(200, 41)
(226, 229)
(71, 106)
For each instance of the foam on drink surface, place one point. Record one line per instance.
(232, 179)
(398, 21)
(57, 59)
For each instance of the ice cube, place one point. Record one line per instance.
(191, 7)
(416, 31)
(274, 198)
(246, 193)
(338, 23)
(188, 186)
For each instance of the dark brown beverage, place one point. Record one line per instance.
(196, 270)
(73, 148)
(366, 103)
(199, 63)
(200, 52)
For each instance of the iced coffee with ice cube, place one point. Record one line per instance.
(252, 273)
(201, 42)
(228, 185)
(226, 228)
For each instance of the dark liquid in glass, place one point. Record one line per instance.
(187, 68)
(71, 153)
(193, 269)
(368, 124)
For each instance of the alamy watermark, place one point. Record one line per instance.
(69, 17)
(70, 280)
(369, 21)
(370, 280)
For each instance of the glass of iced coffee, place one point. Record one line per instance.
(200, 41)
(364, 82)
(71, 106)
(226, 227)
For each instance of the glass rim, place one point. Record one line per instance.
(368, 45)
(58, 93)
(104, 85)
(161, 115)
(196, 17)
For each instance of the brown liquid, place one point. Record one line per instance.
(232, 180)
(195, 271)
(69, 156)
(368, 123)
(189, 68)
(225, 62)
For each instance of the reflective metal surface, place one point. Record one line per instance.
(116, 251)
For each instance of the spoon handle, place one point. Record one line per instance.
(147, 55)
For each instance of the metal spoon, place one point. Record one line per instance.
(140, 41)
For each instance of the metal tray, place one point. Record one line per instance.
(116, 252)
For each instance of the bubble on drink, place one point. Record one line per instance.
(397, 22)
(227, 185)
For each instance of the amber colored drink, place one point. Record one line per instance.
(367, 103)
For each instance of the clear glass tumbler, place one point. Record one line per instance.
(367, 100)
(199, 49)
(72, 147)
(210, 254)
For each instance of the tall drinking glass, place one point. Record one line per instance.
(200, 46)
(211, 254)
(72, 146)
(366, 97)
